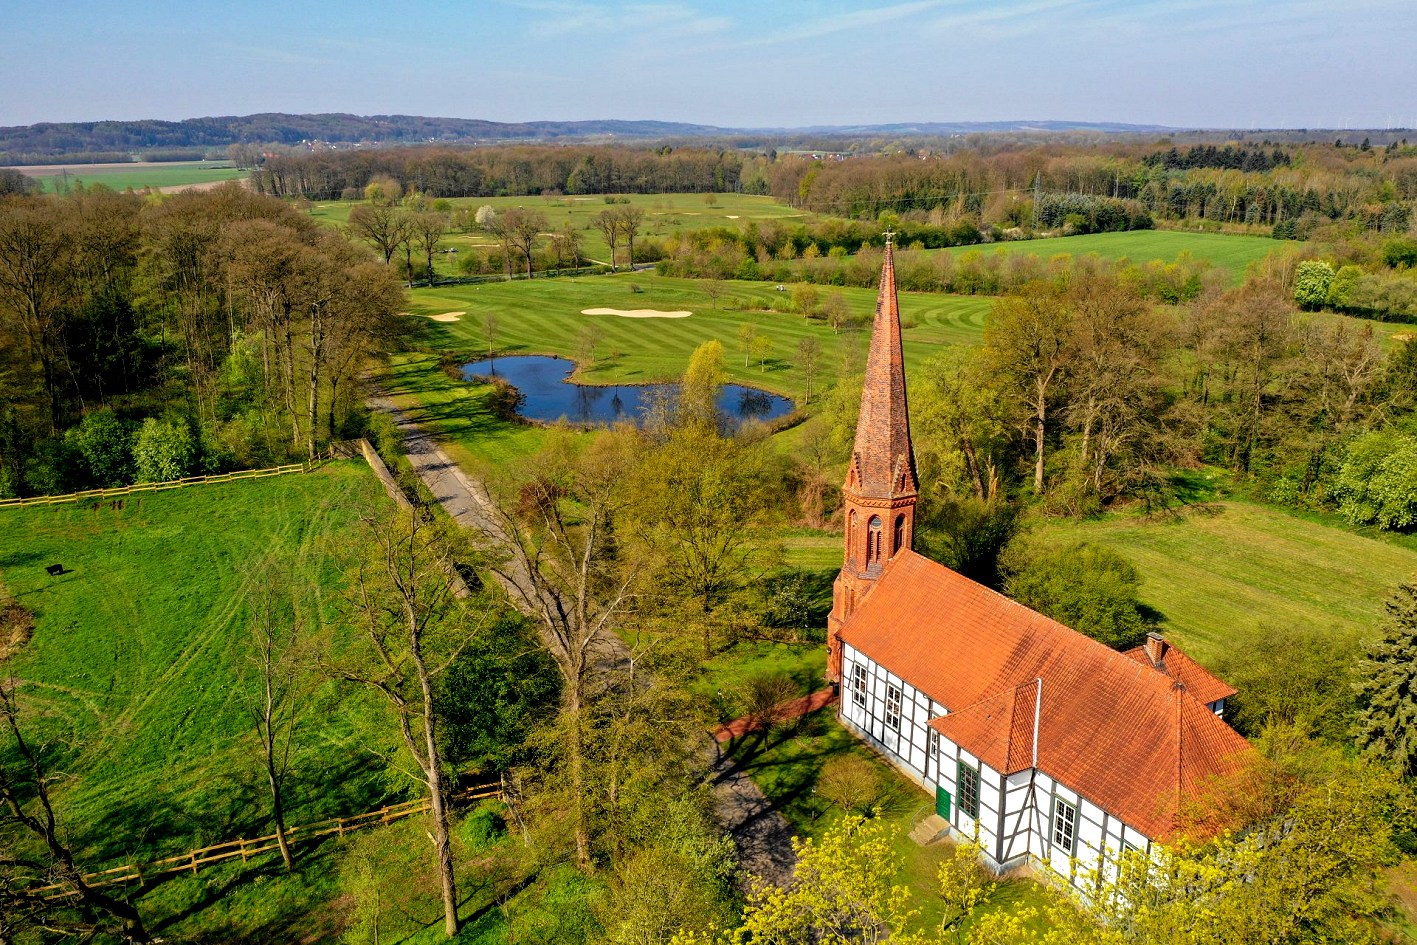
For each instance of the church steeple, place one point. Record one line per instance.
(881, 485)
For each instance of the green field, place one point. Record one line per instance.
(1239, 564)
(138, 177)
(544, 317)
(665, 215)
(1233, 253)
(138, 651)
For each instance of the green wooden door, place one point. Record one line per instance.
(942, 803)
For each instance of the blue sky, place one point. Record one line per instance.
(1209, 63)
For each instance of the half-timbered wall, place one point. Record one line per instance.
(1017, 814)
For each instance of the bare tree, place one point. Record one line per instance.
(428, 229)
(273, 686)
(489, 330)
(608, 223)
(713, 290)
(628, 219)
(412, 631)
(384, 225)
(521, 230)
(566, 243)
(35, 855)
(809, 353)
(562, 568)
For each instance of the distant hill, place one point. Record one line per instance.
(47, 141)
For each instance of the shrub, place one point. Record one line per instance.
(851, 783)
(1312, 280)
(1087, 587)
(163, 450)
(1377, 483)
(483, 827)
(103, 443)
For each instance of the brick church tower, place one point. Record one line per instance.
(881, 486)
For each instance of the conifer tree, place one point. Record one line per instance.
(1386, 725)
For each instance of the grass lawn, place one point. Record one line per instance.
(543, 316)
(137, 656)
(139, 176)
(1230, 252)
(665, 215)
(1235, 563)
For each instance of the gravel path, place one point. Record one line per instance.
(762, 835)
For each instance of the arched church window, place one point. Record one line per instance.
(899, 538)
(873, 540)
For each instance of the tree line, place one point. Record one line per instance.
(199, 332)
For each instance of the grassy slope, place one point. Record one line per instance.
(137, 655)
(544, 317)
(1241, 564)
(1233, 253)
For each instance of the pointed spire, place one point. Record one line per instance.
(883, 461)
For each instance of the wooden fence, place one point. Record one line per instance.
(245, 849)
(141, 487)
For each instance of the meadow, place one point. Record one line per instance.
(1235, 564)
(137, 662)
(1233, 253)
(138, 176)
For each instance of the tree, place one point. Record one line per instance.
(608, 223)
(35, 854)
(588, 338)
(556, 529)
(713, 289)
(386, 226)
(1026, 344)
(760, 348)
(104, 443)
(486, 217)
(1312, 279)
(628, 220)
(844, 891)
(700, 386)
(747, 331)
(961, 425)
(412, 631)
(1386, 724)
(489, 331)
(702, 511)
(1090, 588)
(1377, 483)
(35, 252)
(804, 299)
(163, 450)
(428, 228)
(523, 229)
(836, 311)
(809, 352)
(1312, 687)
(566, 243)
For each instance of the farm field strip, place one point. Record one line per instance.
(137, 175)
(1227, 251)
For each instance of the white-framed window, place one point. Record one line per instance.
(1065, 826)
(935, 745)
(893, 708)
(858, 684)
(967, 785)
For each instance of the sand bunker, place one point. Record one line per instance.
(447, 317)
(635, 313)
(732, 216)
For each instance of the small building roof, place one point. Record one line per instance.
(1129, 738)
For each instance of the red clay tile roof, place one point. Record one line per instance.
(1192, 675)
(1123, 735)
(883, 463)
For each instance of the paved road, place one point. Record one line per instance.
(762, 835)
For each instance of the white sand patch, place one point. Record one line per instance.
(635, 313)
(732, 216)
(447, 317)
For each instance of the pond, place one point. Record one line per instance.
(549, 396)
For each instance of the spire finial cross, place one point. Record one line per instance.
(890, 235)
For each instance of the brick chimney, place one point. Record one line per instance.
(1156, 648)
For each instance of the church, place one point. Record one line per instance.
(1037, 742)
